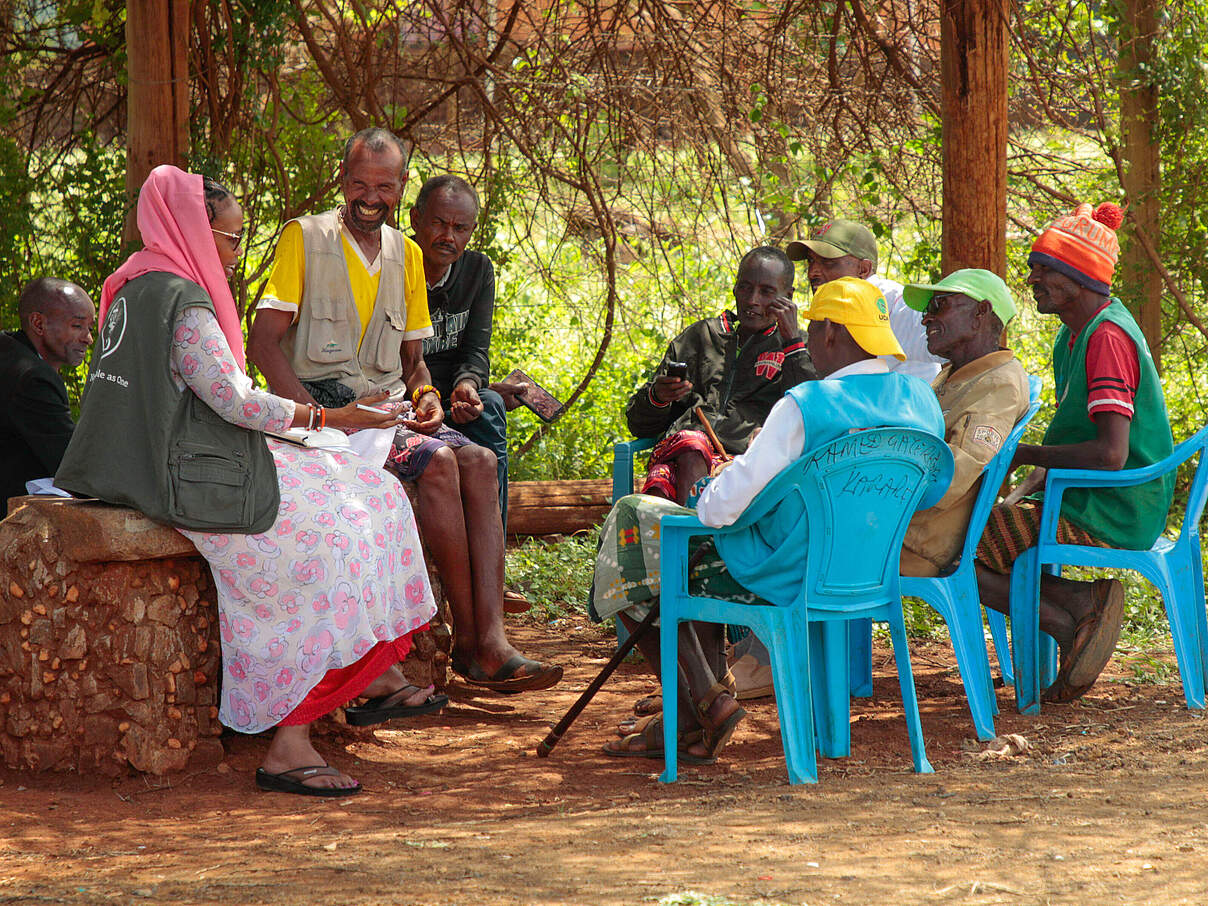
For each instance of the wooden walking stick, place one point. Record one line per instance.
(547, 745)
(721, 451)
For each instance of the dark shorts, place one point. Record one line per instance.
(1013, 528)
(411, 451)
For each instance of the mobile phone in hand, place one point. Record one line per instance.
(542, 403)
(677, 370)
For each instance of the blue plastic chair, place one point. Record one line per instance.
(851, 573)
(1175, 567)
(955, 596)
(622, 464)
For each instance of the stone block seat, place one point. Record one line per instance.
(109, 648)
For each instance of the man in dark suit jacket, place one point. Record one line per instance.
(57, 318)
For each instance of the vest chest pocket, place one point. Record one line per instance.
(385, 339)
(330, 337)
(210, 486)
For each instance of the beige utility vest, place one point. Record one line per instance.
(322, 343)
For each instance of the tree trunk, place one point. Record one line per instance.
(157, 100)
(1140, 280)
(973, 68)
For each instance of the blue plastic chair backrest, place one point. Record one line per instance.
(995, 473)
(1197, 495)
(858, 493)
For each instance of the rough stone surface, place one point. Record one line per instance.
(109, 648)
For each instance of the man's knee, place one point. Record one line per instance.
(477, 463)
(441, 472)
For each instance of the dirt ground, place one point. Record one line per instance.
(1106, 806)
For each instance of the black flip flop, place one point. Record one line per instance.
(284, 782)
(504, 679)
(376, 710)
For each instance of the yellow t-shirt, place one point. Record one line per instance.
(284, 289)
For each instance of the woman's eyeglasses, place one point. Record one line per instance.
(236, 238)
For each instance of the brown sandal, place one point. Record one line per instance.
(716, 735)
(651, 735)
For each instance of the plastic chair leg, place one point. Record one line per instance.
(1185, 632)
(669, 671)
(790, 673)
(1025, 629)
(1002, 648)
(969, 646)
(860, 645)
(910, 702)
(830, 683)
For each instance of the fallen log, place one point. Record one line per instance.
(557, 507)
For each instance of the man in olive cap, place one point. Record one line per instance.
(983, 391)
(844, 248)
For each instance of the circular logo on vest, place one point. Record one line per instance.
(115, 327)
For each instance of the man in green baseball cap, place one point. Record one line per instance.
(845, 248)
(983, 391)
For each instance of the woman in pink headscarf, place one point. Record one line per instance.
(315, 554)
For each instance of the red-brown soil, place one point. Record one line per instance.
(1106, 806)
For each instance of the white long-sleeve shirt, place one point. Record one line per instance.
(781, 441)
(907, 326)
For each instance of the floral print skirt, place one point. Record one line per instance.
(339, 571)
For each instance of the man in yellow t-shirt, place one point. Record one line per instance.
(343, 315)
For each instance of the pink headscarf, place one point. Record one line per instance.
(176, 238)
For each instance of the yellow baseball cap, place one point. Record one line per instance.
(860, 307)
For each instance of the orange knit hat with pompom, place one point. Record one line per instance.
(1082, 245)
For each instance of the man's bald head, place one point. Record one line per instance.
(58, 317)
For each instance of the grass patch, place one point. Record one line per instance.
(554, 575)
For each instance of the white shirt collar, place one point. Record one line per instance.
(441, 282)
(864, 366)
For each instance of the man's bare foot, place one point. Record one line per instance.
(291, 749)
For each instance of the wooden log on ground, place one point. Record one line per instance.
(557, 507)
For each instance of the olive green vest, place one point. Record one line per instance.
(143, 443)
(1133, 517)
(323, 343)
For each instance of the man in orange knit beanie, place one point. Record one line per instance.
(1110, 415)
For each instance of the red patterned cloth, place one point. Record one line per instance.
(661, 473)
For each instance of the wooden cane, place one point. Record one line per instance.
(547, 745)
(721, 451)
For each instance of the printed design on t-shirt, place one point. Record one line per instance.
(447, 328)
(768, 365)
(115, 327)
(987, 436)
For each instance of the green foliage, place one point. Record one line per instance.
(554, 575)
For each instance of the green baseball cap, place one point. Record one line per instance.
(836, 239)
(977, 284)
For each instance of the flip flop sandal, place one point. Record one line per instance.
(652, 737)
(1087, 662)
(504, 679)
(378, 710)
(286, 783)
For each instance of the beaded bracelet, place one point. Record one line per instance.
(420, 391)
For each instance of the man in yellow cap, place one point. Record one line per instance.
(849, 328)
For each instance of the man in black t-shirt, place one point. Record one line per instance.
(461, 302)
